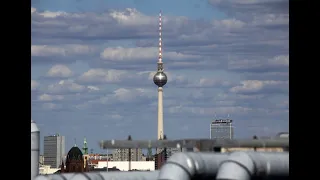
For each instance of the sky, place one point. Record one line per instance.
(93, 63)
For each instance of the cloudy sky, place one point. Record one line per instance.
(93, 61)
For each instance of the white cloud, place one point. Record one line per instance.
(272, 64)
(61, 71)
(102, 76)
(62, 50)
(66, 86)
(47, 97)
(50, 106)
(126, 95)
(139, 53)
(207, 111)
(93, 88)
(33, 10)
(253, 86)
(34, 85)
(121, 95)
(210, 82)
(131, 17)
(279, 60)
(228, 24)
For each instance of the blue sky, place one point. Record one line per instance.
(93, 61)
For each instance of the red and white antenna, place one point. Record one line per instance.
(160, 39)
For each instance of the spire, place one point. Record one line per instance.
(160, 38)
(85, 147)
(75, 142)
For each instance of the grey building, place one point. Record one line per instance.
(221, 129)
(123, 154)
(54, 150)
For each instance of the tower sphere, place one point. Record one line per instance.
(160, 79)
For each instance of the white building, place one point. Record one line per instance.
(43, 170)
(124, 165)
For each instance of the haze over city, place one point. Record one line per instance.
(93, 64)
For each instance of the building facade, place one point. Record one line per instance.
(54, 150)
(221, 129)
(123, 154)
(75, 162)
(124, 165)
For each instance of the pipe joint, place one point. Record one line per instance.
(238, 165)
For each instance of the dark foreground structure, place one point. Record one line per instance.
(198, 165)
(213, 165)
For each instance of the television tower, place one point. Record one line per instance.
(160, 79)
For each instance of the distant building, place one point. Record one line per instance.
(44, 170)
(123, 154)
(124, 165)
(54, 150)
(75, 162)
(41, 159)
(221, 129)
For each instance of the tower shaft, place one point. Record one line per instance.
(160, 113)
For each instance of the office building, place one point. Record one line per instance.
(221, 129)
(123, 155)
(54, 150)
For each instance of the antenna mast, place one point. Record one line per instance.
(160, 65)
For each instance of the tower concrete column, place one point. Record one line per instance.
(160, 113)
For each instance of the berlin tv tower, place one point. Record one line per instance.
(160, 79)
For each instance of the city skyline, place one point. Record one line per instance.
(93, 64)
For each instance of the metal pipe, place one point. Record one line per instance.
(184, 166)
(35, 149)
(245, 165)
(150, 175)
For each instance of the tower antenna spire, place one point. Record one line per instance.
(160, 37)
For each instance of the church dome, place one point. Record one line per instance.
(75, 154)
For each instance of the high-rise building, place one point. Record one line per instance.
(221, 129)
(54, 150)
(123, 154)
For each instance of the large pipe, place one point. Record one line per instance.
(150, 175)
(35, 148)
(185, 166)
(245, 165)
